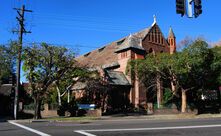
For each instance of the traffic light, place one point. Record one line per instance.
(197, 7)
(180, 7)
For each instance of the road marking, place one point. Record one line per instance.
(84, 132)
(29, 129)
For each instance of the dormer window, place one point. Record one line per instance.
(85, 55)
(121, 41)
(101, 49)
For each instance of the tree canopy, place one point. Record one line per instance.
(7, 61)
(43, 65)
(195, 67)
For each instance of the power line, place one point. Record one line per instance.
(86, 23)
(65, 45)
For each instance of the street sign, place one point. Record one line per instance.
(86, 106)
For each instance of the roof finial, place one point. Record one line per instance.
(154, 18)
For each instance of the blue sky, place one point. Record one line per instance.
(84, 25)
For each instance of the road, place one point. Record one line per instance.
(129, 127)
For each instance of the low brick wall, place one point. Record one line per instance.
(49, 113)
(45, 113)
(164, 111)
(53, 113)
(94, 113)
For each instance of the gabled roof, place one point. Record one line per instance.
(131, 42)
(98, 58)
(107, 55)
(117, 78)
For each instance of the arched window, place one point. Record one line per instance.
(150, 50)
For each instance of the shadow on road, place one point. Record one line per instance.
(3, 119)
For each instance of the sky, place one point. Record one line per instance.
(84, 25)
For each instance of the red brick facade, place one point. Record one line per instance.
(155, 41)
(136, 46)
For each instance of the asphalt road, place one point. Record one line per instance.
(130, 127)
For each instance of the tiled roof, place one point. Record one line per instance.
(106, 55)
(98, 58)
(131, 42)
(117, 78)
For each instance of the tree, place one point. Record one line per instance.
(186, 70)
(191, 69)
(96, 90)
(7, 61)
(65, 83)
(44, 65)
(149, 71)
(216, 66)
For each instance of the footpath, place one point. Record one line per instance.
(122, 117)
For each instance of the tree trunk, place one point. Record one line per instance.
(104, 103)
(59, 95)
(39, 109)
(159, 92)
(68, 95)
(173, 84)
(173, 87)
(36, 107)
(37, 103)
(184, 101)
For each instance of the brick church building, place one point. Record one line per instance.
(112, 59)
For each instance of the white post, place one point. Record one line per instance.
(190, 8)
(68, 95)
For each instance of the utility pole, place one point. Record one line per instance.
(20, 18)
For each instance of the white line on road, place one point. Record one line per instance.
(84, 132)
(29, 129)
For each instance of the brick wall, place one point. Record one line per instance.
(155, 41)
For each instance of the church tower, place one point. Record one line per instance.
(172, 41)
